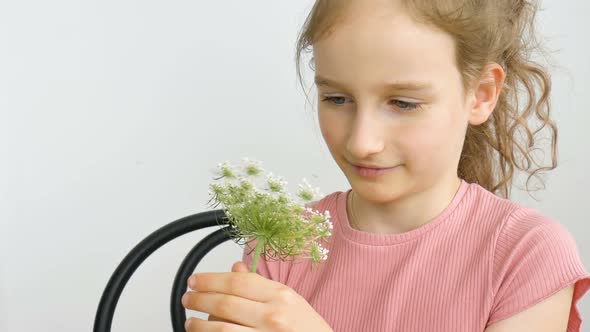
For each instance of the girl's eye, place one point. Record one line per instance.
(405, 106)
(333, 99)
(402, 105)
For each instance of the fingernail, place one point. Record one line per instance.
(185, 299)
(192, 282)
(187, 324)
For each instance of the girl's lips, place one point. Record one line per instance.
(372, 172)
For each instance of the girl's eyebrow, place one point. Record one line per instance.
(397, 85)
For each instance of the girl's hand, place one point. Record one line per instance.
(243, 301)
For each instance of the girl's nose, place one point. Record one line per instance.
(366, 137)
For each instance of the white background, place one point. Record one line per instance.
(113, 113)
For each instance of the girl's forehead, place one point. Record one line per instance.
(370, 8)
(383, 47)
(380, 27)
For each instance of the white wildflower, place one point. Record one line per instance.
(225, 169)
(271, 213)
(275, 183)
(252, 167)
(307, 192)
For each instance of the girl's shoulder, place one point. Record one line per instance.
(509, 216)
(533, 255)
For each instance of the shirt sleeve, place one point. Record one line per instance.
(535, 257)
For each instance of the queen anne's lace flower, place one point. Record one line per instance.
(281, 227)
(308, 192)
(252, 167)
(224, 169)
(275, 183)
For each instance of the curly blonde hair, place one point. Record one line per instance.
(499, 31)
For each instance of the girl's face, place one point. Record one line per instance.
(390, 94)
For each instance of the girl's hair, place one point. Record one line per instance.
(484, 31)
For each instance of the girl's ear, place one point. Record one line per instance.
(485, 93)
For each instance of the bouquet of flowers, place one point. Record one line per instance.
(283, 228)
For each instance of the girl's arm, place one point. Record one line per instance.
(550, 315)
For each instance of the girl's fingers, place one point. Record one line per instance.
(194, 324)
(247, 285)
(227, 307)
(212, 318)
(239, 267)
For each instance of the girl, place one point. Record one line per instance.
(420, 107)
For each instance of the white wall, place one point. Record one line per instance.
(112, 114)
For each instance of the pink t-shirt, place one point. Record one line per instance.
(483, 259)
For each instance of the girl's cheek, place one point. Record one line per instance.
(422, 146)
(333, 127)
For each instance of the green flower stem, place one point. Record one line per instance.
(257, 251)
